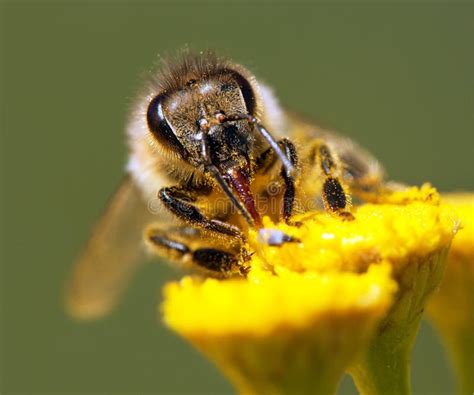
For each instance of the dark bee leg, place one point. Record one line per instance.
(335, 197)
(268, 158)
(165, 246)
(215, 260)
(176, 249)
(290, 191)
(180, 201)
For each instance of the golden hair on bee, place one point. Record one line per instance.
(182, 70)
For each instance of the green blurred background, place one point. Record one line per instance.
(398, 78)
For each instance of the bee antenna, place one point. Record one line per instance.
(289, 167)
(222, 183)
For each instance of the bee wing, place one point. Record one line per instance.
(111, 256)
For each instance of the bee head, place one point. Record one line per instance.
(205, 112)
(212, 107)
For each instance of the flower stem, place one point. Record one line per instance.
(384, 369)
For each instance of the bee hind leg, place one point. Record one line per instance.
(335, 196)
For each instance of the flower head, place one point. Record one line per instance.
(292, 333)
(307, 311)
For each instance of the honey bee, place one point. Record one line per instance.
(211, 144)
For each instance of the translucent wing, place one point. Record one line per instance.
(110, 257)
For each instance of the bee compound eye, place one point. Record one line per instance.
(246, 89)
(160, 128)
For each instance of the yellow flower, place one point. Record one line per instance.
(452, 308)
(422, 230)
(307, 311)
(281, 334)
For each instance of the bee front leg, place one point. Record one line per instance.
(181, 202)
(336, 199)
(289, 179)
(176, 246)
(268, 158)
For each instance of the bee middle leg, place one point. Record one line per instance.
(267, 160)
(335, 197)
(178, 245)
